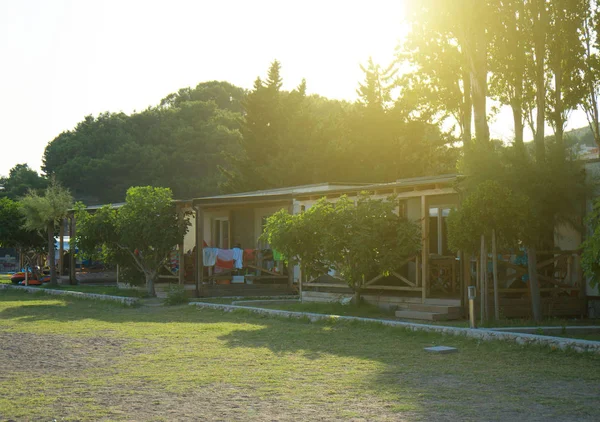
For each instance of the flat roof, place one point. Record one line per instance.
(289, 193)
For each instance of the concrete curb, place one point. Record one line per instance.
(480, 334)
(121, 299)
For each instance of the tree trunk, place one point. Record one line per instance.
(534, 287)
(357, 296)
(150, 277)
(495, 275)
(53, 280)
(479, 89)
(467, 109)
(540, 86)
(558, 110)
(517, 110)
(483, 275)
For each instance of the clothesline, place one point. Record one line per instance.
(231, 258)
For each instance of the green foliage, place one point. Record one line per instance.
(46, 209)
(141, 233)
(176, 295)
(359, 240)
(12, 233)
(553, 191)
(590, 257)
(290, 138)
(178, 144)
(20, 180)
(490, 206)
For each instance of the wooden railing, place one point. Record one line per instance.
(561, 272)
(410, 283)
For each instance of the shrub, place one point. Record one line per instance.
(176, 295)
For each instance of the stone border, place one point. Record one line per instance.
(480, 333)
(121, 299)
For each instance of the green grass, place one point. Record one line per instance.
(70, 359)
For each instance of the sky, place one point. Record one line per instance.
(63, 60)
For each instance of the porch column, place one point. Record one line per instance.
(290, 266)
(72, 279)
(61, 247)
(181, 273)
(199, 243)
(424, 248)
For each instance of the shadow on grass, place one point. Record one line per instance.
(483, 381)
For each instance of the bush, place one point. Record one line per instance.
(176, 295)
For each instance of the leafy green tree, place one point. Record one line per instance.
(590, 257)
(178, 144)
(490, 211)
(20, 180)
(359, 240)
(554, 191)
(43, 212)
(142, 232)
(13, 235)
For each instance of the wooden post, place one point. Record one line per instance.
(118, 274)
(72, 261)
(199, 276)
(495, 275)
(466, 277)
(482, 273)
(424, 248)
(61, 247)
(181, 273)
(300, 283)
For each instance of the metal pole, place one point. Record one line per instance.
(472, 290)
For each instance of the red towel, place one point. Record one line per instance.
(224, 264)
(249, 255)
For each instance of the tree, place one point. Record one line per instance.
(511, 63)
(21, 179)
(12, 234)
(145, 230)
(590, 258)
(178, 144)
(566, 20)
(591, 68)
(358, 240)
(554, 189)
(43, 212)
(490, 211)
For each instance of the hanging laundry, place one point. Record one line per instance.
(238, 256)
(277, 256)
(249, 256)
(209, 256)
(225, 258)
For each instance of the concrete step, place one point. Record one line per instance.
(424, 307)
(429, 316)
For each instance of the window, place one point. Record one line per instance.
(221, 233)
(438, 230)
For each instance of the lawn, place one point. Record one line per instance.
(71, 359)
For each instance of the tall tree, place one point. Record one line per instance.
(591, 67)
(510, 62)
(21, 179)
(566, 20)
(43, 212)
(177, 144)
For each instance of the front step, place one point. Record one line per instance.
(428, 316)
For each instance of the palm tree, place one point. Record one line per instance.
(42, 212)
